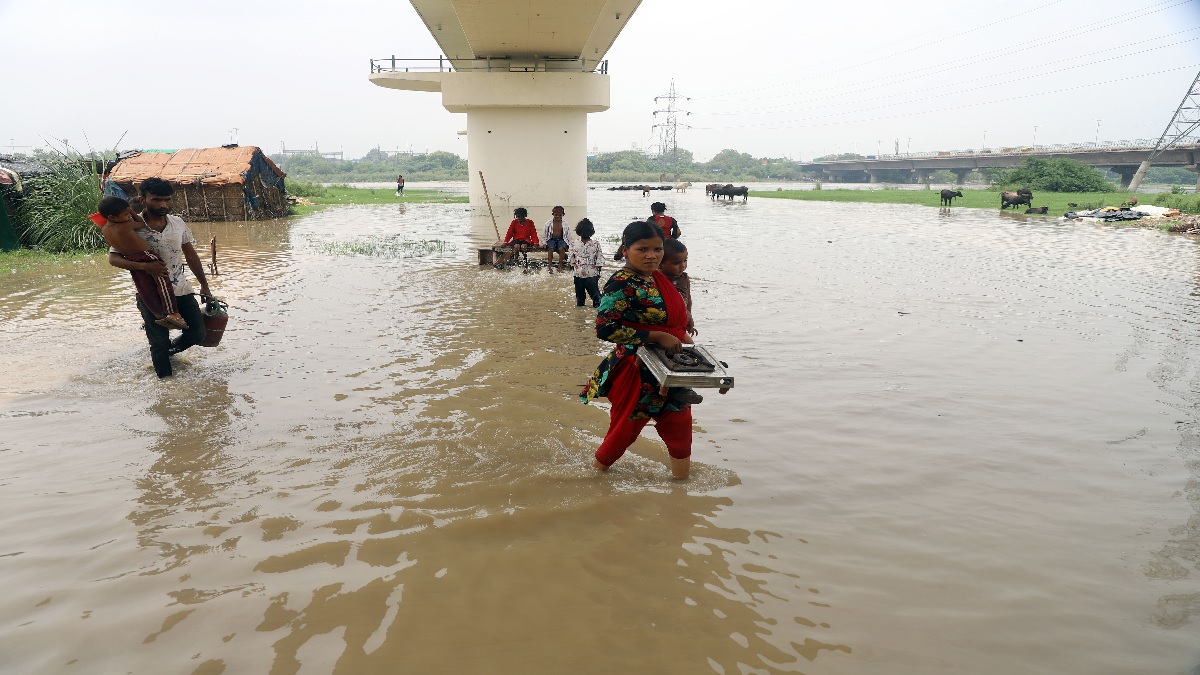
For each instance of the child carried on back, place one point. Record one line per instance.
(155, 292)
(674, 267)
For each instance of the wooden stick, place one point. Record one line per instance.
(212, 245)
(489, 203)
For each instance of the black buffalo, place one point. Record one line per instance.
(1015, 199)
(1039, 209)
(949, 195)
(728, 190)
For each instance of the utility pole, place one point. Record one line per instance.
(1183, 124)
(668, 142)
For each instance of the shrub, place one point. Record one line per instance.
(1057, 175)
(304, 188)
(55, 212)
(1178, 201)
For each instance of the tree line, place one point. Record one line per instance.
(627, 165)
(726, 166)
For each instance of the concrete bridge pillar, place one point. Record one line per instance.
(960, 175)
(1196, 170)
(1137, 177)
(921, 175)
(1126, 173)
(874, 174)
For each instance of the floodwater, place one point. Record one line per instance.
(960, 442)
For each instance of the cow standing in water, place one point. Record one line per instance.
(949, 195)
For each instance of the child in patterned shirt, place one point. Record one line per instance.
(586, 259)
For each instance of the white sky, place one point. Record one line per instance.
(767, 77)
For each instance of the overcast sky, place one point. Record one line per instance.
(768, 77)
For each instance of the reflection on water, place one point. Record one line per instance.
(959, 443)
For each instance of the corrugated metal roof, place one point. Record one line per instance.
(189, 166)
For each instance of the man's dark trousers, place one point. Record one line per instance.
(161, 344)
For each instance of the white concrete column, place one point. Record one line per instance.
(530, 157)
(527, 133)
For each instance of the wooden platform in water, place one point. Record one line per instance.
(487, 256)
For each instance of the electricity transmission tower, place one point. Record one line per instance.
(1182, 126)
(668, 144)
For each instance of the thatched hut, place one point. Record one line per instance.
(227, 183)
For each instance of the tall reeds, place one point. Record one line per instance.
(55, 212)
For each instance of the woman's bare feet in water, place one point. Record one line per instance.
(598, 466)
(681, 468)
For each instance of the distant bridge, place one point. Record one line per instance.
(1122, 157)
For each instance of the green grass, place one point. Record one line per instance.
(343, 194)
(1059, 202)
(384, 247)
(22, 260)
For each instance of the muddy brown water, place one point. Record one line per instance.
(960, 442)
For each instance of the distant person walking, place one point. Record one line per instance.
(400, 186)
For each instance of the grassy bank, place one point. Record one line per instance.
(12, 262)
(1059, 202)
(342, 194)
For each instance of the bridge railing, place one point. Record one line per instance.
(505, 64)
(1102, 146)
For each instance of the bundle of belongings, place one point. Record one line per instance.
(1113, 214)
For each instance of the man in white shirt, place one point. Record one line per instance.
(171, 240)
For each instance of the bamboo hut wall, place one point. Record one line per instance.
(208, 203)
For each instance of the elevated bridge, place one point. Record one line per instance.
(526, 73)
(1122, 157)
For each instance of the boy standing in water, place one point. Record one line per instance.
(587, 259)
(558, 237)
(156, 293)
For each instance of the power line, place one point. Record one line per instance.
(668, 139)
(956, 87)
(1025, 47)
(1007, 99)
(957, 84)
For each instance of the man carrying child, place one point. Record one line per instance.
(170, 239)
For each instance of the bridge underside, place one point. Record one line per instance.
(475, 29)
(527, 117)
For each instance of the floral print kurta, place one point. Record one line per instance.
(629, 297)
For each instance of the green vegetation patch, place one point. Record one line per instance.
(385, 247)
(22, 260)
(320, 196)
(1059, 202)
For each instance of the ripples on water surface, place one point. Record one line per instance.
(961, 442)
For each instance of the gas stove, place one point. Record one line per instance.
(694, 366)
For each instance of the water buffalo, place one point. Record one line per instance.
(949, 195)
(1015, 199)
(710, 190)
(728, 190)
(1039, 209)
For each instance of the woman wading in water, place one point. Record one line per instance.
(641, 306)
